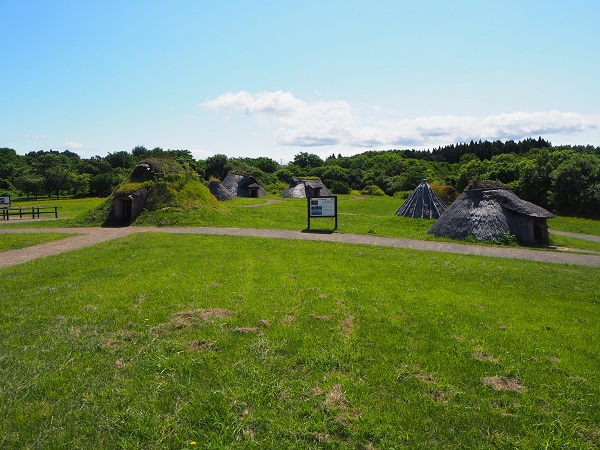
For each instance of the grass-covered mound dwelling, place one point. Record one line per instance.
(158, 192)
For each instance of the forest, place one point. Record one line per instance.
(562, 179)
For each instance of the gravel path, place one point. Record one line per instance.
(85, 237)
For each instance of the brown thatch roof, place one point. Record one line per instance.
(486, 211)
(422, 203)
(241, 185)
(305, 188)
(217, 189)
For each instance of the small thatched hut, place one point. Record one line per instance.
(220, 192)
(243, 185)
(306, 188)
(487, 210)
(422, 203)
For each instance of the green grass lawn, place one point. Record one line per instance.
(356, 214)
(575, 225)
(176, 341)
(68, 210)
(16, 241)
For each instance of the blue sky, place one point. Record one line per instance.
(276, 78)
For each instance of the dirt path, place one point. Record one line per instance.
(85, 237)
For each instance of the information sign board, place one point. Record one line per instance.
(319, 207)
(323, 207)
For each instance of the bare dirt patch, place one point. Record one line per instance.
(128, 335)
(316, 391)
(480, 355)
(347, 326)
(335, 399)
(425, 377)
(499, 383)
(246, 330)
(198, 346)
(191, 318)
(438, 395)
(111, 345)
(322, 318)
(288, 320)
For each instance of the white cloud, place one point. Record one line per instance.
(276, 103)
(73, 145)
(333, 123)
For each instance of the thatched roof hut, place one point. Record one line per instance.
(422, 203)
(243, 185)
(220, 192)
(305, 188)
(487, 210)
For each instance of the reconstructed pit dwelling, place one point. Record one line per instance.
(306, 188)
(422, 203)
(487, 210)
(129, 198)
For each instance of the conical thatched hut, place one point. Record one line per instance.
(243, 185)
(487, 210)
(306, 188)
(422, 203)
(220, 192)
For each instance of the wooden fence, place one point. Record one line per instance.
(29, 211)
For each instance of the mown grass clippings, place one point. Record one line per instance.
(195, 317)
(500, 383)
(481, 355)
(198, 346)
(245, 330)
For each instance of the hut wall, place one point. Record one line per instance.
(520, 226)
(128, 207)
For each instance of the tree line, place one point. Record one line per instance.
(563, 179)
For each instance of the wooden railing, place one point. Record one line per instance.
(33, 211)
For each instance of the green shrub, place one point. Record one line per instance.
(275, 188)
(402, 195)
(340, 187)
(373, 190)
(508, 239)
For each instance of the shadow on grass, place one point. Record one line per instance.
(312, 231)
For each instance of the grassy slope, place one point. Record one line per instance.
(329, 346)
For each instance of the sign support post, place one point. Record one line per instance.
(319, 207)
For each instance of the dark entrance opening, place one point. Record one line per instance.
(540, 233)
(127, 209)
